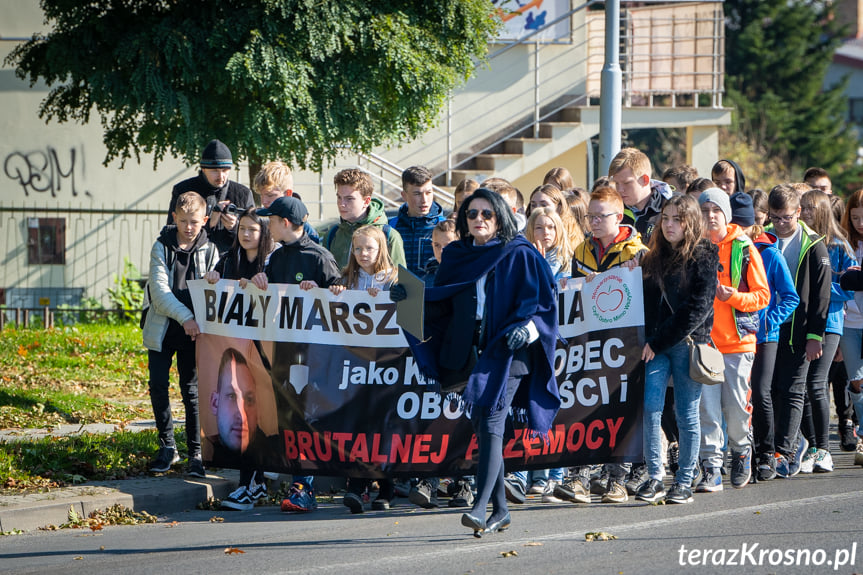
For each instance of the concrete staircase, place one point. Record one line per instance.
(520, 155)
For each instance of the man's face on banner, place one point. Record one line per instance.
(235, 406)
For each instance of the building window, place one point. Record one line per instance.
(855, 108)
(46, 241)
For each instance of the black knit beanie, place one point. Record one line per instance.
(216, 155)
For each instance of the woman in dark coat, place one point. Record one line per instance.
(493, 293)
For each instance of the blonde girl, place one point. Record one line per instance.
(370, 266)
(549, 196)
(546, 232)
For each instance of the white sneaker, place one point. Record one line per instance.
(536, 489)
(548, 493)
(858, 455)
(807, 464)
(823, 461)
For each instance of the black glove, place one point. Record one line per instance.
(398, 293)
(517, 338)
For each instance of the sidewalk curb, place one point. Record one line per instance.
(155, 495)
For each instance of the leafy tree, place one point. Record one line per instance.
(288, 79)
(776, 55)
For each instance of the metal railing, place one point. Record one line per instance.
(672, 54)
(47, 317)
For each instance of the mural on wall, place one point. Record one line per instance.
(47, 171)
(523, 17)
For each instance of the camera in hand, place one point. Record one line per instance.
(230, 209)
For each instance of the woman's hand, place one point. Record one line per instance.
(373, 291)
(630, 264)
(540, 248)
(517, 337)
(212, 276)
(306, 285)
(647, 353)
(336, 289)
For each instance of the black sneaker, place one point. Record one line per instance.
(652, 491)
(516, 491)
(637, 479)
(195, 467)
(673, 457)
(423, 495)
(239, 499)
(380, 504)
(847, 438)
(463, 496)
(679, 493)
(766, 467)
(258, 490)
(741, 468)
(353, 502)
(166, 457)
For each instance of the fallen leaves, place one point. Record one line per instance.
(599, 536)
(172, 524)
(233, 551)
(508, 554)
(533, 544)
(217, 519)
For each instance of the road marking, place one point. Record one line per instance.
(416, 558)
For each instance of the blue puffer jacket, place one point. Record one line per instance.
(841, 259)
(783, 294)
(416, 235)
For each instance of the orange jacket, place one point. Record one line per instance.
(724, 333)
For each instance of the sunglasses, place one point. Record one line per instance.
(486, 214)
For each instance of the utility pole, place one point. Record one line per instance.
(611, 88)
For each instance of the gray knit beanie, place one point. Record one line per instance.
(718, 197)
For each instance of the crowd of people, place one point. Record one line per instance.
(769, 279)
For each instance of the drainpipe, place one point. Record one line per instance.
(610, 89)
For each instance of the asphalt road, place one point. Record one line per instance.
(807, 524)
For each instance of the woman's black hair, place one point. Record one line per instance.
(507, 229)
(265, 242)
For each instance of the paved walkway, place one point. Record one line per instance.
(156, 495)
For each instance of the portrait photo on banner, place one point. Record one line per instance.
(238, 413)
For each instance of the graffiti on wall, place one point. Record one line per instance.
(47, 171)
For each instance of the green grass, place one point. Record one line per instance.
(42, 464)
(85, 374)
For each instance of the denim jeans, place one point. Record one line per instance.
(541, 476)
(673, 362)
